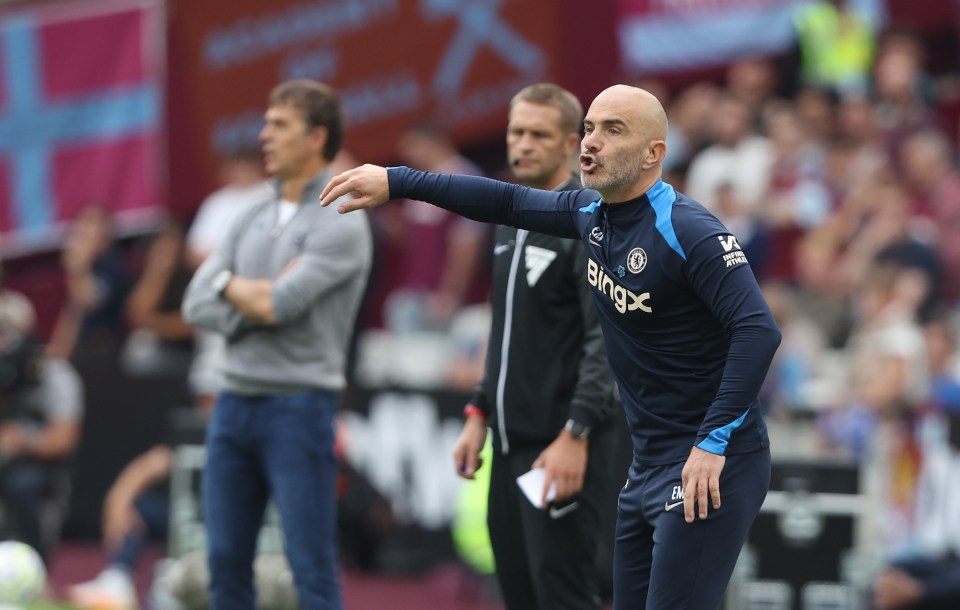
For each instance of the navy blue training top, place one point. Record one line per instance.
(688, 333)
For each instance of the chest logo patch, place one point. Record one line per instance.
(636, 260)
(537, 260)
(596, 236)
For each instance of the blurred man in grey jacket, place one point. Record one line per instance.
(283, 288)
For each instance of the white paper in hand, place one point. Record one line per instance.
(531, 483)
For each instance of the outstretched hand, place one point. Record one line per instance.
(368, 184)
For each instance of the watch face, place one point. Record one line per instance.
(577, 430)
(220, 281)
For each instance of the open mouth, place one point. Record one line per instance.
(588, 163)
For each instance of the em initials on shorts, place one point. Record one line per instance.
(661, 562)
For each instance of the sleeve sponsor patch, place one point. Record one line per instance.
(732, 254)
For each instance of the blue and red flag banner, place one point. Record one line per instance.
(80, 117)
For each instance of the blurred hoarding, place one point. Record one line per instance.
(457, 62)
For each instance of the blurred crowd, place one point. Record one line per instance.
(843, 191)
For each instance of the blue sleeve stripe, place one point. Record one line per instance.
(661, 197)
(716, 441)
(590, 208)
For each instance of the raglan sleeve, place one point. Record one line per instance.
(718, 271)
(490, 201)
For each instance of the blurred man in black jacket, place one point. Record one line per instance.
(547, 392)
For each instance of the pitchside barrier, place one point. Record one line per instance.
(809, 548)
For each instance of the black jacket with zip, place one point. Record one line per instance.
(546, 361)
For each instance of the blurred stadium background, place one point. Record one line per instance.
(844, 192)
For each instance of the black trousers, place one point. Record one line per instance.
(549, 560)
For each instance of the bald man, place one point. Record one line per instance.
(688, 334)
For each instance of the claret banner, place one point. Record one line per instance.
(456, 62)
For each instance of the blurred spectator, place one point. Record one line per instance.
(887, 381)
(136, 507)
(927, 161)
(800, 356)
(133, 512)
(927, 576)
(737, 156)
(836, 45)
(888, 373)
(243, 183)
(797, 198)
(941, 338)
(136, 510)
(918, 584)
(689, 117)
(92, 314)
(903, 93)
(41, 407)
(858, 155)
(753, 81)
(874, 222)
(816, 111)
(438, 253)
(160, 341)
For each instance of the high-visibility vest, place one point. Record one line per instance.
(837, 47)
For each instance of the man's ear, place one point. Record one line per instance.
(654, 154)
(318, 137)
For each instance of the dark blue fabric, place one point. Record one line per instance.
(154, 510)
(281, 447)
(661, 562)
(941, 582)
(688, 334)
(24, 485)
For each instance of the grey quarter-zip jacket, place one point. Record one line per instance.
(315, 303)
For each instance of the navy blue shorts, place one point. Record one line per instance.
(661, 562)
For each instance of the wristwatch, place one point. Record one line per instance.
(577, 430)
(220, 281)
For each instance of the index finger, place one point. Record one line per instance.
(335, 189)
(715, 491)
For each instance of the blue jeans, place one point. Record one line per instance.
(153, 506)
(279, 446)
